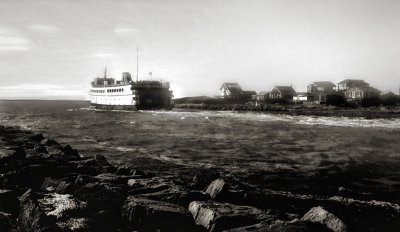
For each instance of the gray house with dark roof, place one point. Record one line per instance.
(282, 93)
(319, 90)
(350, 83)
(231, 91)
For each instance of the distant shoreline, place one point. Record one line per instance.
(324, 111)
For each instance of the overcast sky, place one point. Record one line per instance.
(51, 49)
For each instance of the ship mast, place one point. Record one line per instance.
(137, 63)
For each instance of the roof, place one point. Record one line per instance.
(324, 83)
(232, 87)
(285, 89)
(263, 93)
(388, 92)
(369, 89)
(250, 92)
(352, 80)
(372, 89)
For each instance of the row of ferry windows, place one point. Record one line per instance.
(115, 90)
(108, 90)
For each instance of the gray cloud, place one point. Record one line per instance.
(13, 43)
(125, 30)
(44, 28)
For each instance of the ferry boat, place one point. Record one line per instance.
(108, 93)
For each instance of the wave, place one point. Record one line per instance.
(302, 120)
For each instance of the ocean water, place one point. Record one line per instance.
(302, 154)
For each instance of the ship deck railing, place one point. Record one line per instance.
(110, 85)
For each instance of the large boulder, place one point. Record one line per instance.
(32, 217)
(148, 185)
(8, 201)
(320, 215)
(51, 212)
(282, 226)
(216, 188)
(102, 196)
(149, 215)
(8, 155)
(358, 215)
(111, 178)
(7, 222)
(103, 165)
(164, 189)
(215, 216)
(69, 153)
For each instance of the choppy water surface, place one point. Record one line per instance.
(293, 153)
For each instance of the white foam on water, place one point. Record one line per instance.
(302, 120)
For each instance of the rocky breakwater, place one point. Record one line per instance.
(46, 186)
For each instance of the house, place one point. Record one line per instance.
(261, 96)
(248, 95)
(282, 93)
(318, 91)
(351, 83)
(300, 97)
(231, 91)
(390, 98)
(388, 95)
(360, 93)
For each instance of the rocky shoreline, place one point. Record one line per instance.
(294, 110)
(46, 186)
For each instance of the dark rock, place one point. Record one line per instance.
(216, 188)
(6, 222)
(31, 217)
(112, 178)
(187, 197)
(33, 137)
(55, 151)
(60, 206)
(259, 227)
(8, 201)
(59, 186)
(150, 215)
(65, 187)
(364, 215)
(103, 165)
(69, 153)
(223, 216)
(77, 224)
(49, 184)
(83, 180)
(282, 226)
(358, 215)
(102, 196)
(9, 155)
(50, 142)
(125, 171)
(87, 166)
(51, 212)
(148, 185)
(320, 215)
(296, 226)
(157, 188)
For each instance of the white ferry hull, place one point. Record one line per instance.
(118, 97)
